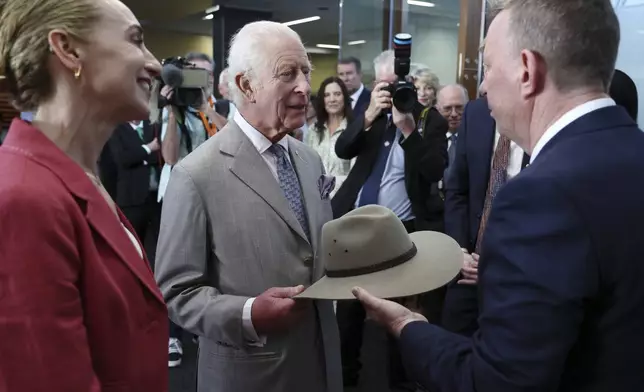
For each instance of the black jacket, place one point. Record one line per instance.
(425, 161)
(133, 164)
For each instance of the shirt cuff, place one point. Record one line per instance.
(147, 149)
(247, 324)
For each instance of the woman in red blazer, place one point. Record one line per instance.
(79, 308)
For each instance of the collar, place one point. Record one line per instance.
(135, 126)
(568, 119)
(448, 135)
(260, 141)
(356, 95)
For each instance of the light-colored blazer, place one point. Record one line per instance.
(228, 234)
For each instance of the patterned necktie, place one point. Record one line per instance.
(290, 186)
(498, 177)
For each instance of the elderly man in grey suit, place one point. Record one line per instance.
(240, 232)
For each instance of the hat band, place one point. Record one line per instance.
(370, 269)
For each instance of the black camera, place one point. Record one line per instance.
(403, 92)
(188, 83)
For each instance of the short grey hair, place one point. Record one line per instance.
(466, 94)
(223, 76)
(384, 62)
(192, 56)
(578, 39)
(249, 52)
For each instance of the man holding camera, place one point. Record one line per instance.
(399, 163)
(183, 130)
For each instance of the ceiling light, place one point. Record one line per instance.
(300, 21)
(358, 42)
(212, 10)
(208, 17)
(327, 46)
(421, 3)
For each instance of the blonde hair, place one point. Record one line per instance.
(426, 77)
(24, 43)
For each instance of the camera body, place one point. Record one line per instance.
(403, 92)
(188, 83)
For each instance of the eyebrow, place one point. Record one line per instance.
(482, 46)
(136, 28)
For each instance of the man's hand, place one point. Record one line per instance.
(274, 310)
(380, 99)
(403, 121)
(470, 269)
(167, 93)
(394, 317)
(154, 145)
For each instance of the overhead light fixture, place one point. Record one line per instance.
(208, 17)
(300, 21)
(421, 3)
(358, 42)
(212, 10)
(328, 46)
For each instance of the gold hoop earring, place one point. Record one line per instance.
(77, 74)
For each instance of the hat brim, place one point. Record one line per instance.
(438, 260)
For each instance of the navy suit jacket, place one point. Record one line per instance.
(465, 191)
(363, 103)
(560, 274)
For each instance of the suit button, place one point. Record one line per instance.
(308, 261)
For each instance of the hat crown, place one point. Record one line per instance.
(363, 238)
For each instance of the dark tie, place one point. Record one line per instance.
(371, 187)
(451, 155)
(290, 186)
(498, 177)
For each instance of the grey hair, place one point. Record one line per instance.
(384, 62)
(466, 94)
(578, 39)
(249, 53)
(192, 56)
(223, 76)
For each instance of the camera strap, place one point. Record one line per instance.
(422, 120)
(185, 134)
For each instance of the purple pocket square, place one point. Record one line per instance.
(326, 184)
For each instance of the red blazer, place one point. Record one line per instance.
(79, 308)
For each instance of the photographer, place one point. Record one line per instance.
(183, 130)
(400, 159)
(198, 123)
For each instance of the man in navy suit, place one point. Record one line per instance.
(561, 265)
(466, 190)
(350, 72)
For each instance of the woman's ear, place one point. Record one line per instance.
(65, 49)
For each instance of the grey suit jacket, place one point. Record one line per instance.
(228, 234)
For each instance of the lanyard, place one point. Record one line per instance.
(211, 129)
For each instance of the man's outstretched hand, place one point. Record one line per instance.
(394, 317)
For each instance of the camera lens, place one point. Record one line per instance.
(405, 98)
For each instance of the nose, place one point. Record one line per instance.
(152, 65)
(303, 85)
(483, 88)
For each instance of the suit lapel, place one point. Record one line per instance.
(252, 170)
(101, 218)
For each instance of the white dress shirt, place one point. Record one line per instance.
(355, 96)
(568, 119)
(515, 160)
(262, 144)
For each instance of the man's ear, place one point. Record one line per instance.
(63, 46)
(245, 87)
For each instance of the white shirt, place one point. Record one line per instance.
(355, 96)
(262, 144)
(515, 160)
(568, 119)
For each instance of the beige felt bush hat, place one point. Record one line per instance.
(370, 248)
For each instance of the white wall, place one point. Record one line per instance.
(630, 58)
(435, 44)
